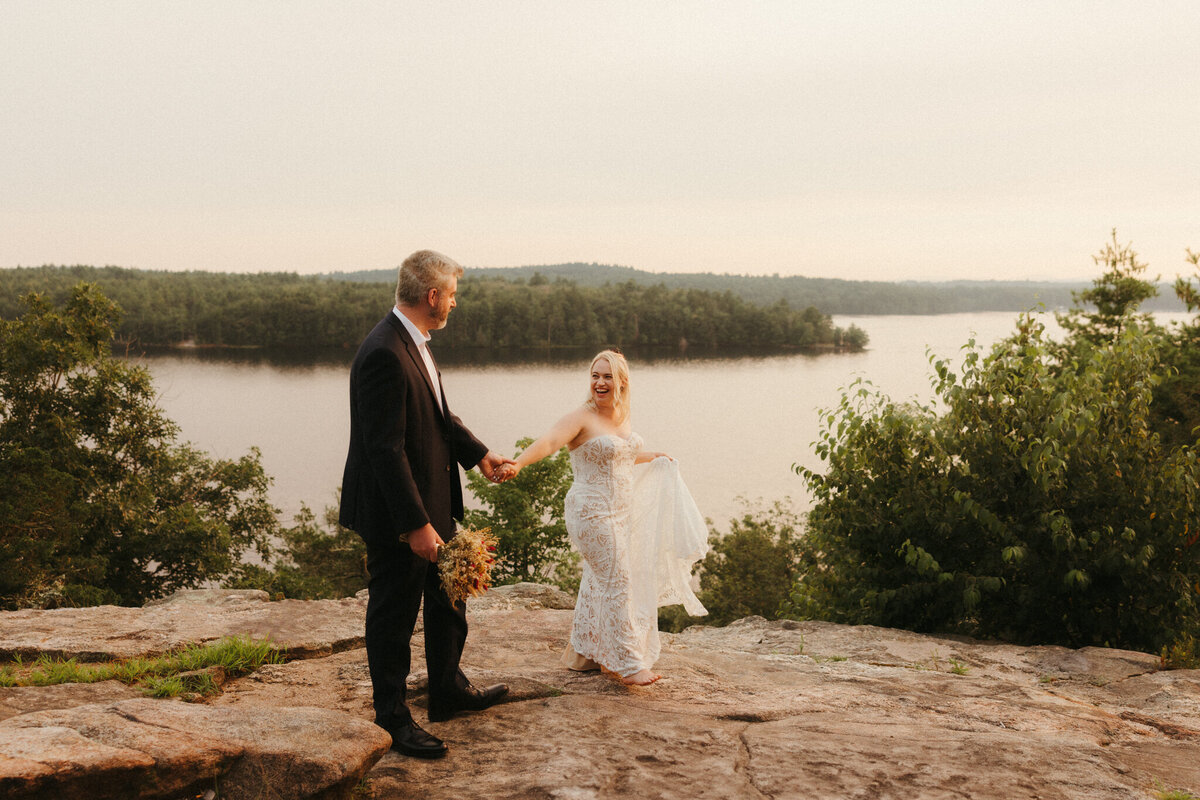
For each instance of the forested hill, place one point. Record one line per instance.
(831, 295)
(285, 310)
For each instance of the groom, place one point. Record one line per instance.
(401, 493)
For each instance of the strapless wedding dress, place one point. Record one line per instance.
(639, 533)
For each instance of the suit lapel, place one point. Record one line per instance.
(414, 353)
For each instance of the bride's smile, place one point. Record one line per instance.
(602, 381)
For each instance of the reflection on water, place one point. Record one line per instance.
(469, 357)
(253, 356)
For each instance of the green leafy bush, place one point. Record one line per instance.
(1183, 653)
(526, 515)
(315, 560)
(749, 571)
(98, 503)
(1038, 504)
(1177, 399)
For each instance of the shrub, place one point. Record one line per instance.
(316, 561)
(749, 571)
(1040, 506)
(1177, 399)
(1183, 653)
(526, 515)
(98, 503)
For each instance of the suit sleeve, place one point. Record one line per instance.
(468, 450)
(381, 409)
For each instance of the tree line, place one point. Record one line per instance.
(286, 310)
(832, 295)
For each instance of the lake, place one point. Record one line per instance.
(736, 425)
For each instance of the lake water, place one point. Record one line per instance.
(736, 425)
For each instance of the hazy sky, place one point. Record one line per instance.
(862, 140)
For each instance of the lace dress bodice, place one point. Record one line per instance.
(603, 468)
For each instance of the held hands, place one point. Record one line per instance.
(496, 468)
(507, 471)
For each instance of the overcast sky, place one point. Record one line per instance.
(861, 140)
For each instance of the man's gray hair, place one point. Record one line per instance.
(422, 271)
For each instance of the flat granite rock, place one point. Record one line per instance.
(811, 709)
(16, 700)
(756, 709)
(521, 595)
(167, 749)
(781, 710)
(300, 628)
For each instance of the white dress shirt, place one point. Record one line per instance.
(422, 341)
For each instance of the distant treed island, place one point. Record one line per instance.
(285, 310)
(565, 305)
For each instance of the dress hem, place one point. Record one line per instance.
(571, 653)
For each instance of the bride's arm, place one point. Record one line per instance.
(562, 432)
(643, 456)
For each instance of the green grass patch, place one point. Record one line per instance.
(160, 676)
(1162, 793)
(47, 671)
(238, 656)
(164, 687)
(133, 669)
(189, 685)
(824, 659)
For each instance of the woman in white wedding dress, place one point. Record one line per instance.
(638, 534)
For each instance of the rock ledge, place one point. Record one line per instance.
(755, 709)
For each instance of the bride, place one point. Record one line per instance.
(639, 532)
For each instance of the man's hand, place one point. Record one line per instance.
(425, 542)
(506, 472)
(489, 464)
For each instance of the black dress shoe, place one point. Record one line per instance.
(413, 740)
(469, 699)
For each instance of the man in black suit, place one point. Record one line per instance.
(401, 492)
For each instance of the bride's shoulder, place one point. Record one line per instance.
(581, 417)
(577, 426)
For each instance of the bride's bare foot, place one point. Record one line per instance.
(643, 678)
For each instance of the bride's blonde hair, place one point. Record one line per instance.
(620, 373)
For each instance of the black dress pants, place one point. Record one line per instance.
(399, 581)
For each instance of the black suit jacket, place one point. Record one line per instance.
(401, 468)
